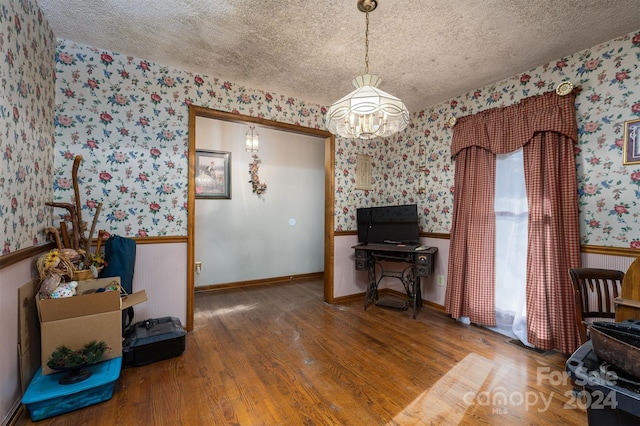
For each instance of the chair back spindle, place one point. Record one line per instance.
(594, 291)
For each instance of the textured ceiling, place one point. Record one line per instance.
(426, 51)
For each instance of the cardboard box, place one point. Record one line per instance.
(76, 321)
(29, 332)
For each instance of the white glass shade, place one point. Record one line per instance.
(251, 141)
(367, 112)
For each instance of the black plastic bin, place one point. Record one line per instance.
(612, 397)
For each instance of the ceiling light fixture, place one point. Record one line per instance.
(251, 140)
(367, 112)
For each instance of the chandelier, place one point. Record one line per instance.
(367, 112)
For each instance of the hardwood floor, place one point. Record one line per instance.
(279, 355)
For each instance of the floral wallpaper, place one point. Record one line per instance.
(128, 118)
(609, 193)
(27, 86)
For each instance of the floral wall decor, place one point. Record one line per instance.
(257, 187)
(128, 117)
(27, 93)
(609, 192)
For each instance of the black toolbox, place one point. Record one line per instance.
(152, 340)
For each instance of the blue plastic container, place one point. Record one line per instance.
(45, 397)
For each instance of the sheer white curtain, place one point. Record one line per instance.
(511, 246)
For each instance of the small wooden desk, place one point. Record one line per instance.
(420, 263)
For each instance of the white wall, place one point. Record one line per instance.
(346, 280)
(249, 236)
(160, 270)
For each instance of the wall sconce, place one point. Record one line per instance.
(251, 144)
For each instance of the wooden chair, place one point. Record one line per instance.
(594, 291)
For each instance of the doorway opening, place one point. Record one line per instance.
(329, 154)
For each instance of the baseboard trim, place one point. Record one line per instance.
(262, 281)
(434, 305)
(348, 299)
(16, 411)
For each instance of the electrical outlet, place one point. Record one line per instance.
(441, 280)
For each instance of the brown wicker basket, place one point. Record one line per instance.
(83, 274)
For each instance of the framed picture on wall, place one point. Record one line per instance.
(213, 174)
(631, 142)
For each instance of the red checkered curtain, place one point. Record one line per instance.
(554, 241)
(470, 287)
(545, 126)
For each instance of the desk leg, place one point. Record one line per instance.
(372, 286)
(417, 296)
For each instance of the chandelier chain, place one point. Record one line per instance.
(366, 44)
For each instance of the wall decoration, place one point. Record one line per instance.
(363, 171)
(139, 156)
(213, 174)
(258, 188)
(631, 142)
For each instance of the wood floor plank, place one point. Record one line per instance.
(447, 400)
(278, 355)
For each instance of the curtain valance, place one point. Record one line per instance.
(504, 130)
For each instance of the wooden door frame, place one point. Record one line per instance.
(329, 193)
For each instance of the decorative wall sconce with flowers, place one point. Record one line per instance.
(258, 187)
(252, 145)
